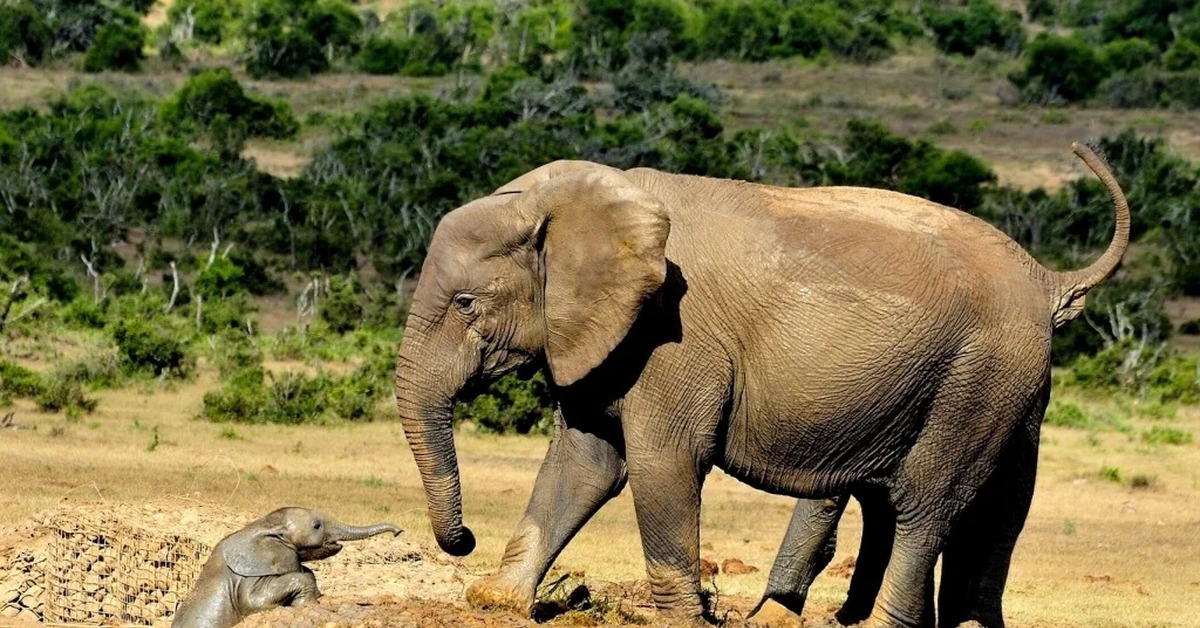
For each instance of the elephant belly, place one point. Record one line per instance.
(818, 411)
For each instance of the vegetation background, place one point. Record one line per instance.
(226, 202)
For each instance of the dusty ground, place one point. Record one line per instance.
(1095, 552)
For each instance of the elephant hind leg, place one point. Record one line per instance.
(977, 556)
(807, 548)
(970, 420)
(874, 553)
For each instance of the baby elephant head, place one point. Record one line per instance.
(280, 541)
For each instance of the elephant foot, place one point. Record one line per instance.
(497, 593)
(851, 613)
(793, 602)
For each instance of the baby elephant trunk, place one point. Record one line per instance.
(357, 533)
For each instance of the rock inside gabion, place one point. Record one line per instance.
(111, 563)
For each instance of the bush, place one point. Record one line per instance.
(151, 347)
(1063, 67)
(219, 280)
(980, 24)
(295, 398)
(118, 45)
(211, 18)
(63, 393)
(24, 32)
(1159, 435)
(511, 405)
(342, 310)
(18, 381)
(1183, 88)
(214, 98)
(234, 351)
(1127, 55)
(1141, 89)
(1065, 414)
(1190, 328)
(382, 55)
(241, 399)
(1184, 54)
(1175, 379)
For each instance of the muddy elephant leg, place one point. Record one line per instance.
(976, 559)
(290, 589)
(807, 548)
(582, 470)
(874, 552)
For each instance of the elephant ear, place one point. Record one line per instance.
(260, 551)
(603, 254)
(545, 173)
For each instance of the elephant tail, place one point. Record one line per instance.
(1069, 288)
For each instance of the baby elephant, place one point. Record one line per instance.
(258, 567)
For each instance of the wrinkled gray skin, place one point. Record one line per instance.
(974, 563)
(258, 567)
(809, 342)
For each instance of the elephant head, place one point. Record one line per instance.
(554, 266)
(277, 543)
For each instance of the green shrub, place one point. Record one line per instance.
(1175, 379)
(241, 399)
(211, 18)
(18, 381)
(1062, 67)
(1183, 88)
(1140, 89)
(219, 280)
(234, 351)
(1112, 474)
(1184, 54)
(980, 24)
(1159, 435)
(294, 398)
(357, 395)
(382, 55)
(1127, 55)
(342, 310)
(151, 347)
(214, 98)
(511, 405)
(1190, 328)
(65, 394)
(118, 46)
(1065, 414)
(276, 53)
(24, 32)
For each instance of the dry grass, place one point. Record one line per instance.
(1095, 552)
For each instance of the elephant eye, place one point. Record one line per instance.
(465, 302)
(316, 525)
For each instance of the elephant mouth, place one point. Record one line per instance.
(321, 552)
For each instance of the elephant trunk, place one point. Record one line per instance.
(426, 412)
(357, 533)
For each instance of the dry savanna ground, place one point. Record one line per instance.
(1097, 551)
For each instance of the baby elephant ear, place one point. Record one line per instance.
(260, 552)
(604, 254)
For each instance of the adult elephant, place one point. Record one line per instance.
(806, 341)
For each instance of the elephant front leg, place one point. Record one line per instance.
(582, 470)
(290, 589)
(666, 498)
